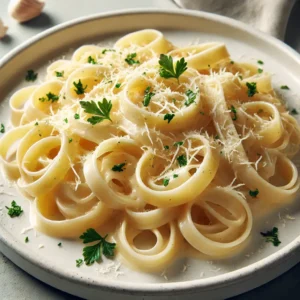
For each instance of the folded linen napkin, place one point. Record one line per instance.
(270, 16)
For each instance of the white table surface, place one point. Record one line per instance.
(15, 283)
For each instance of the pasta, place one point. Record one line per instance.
(169, 148)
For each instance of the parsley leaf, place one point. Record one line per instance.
(79, 262)
(166, 181)
(91, 60)
(272, 236)
(2, 128)
(76, 116)
(175, 175)
(117, 86)
(251, 88)
(101, 110)
(70, 140)
(233, 110)
(180, 143)
(15, 210)
(79, 89)
(108, 50)
(31, 75)
(259, 70)
(294, 111)
(59, 74)
(182, 161)
(167, 68)
(232, 62)
(66, 120)
(260, 62)
(284, 87)
(169, 117)
(118, 167)
(59, 244)
(191, 97)
(166, 147)
(148, 96)
(130, 59)
(93, 253)
(254, 193)
(50, 97)
(26, 239)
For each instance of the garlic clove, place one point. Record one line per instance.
(25, 10)
(3, 29)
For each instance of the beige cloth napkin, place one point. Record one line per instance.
(270, 16)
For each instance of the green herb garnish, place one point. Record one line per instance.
(93, 253)
(167, 67)
(272, 236)
(76, 116)
(91, 60)
(70, 140)
(130, 59)
(66, 120)
(117, 86)
(79, 262)
(31, 75)
(259, 70)
(284, 87)
(294, 111)
(15, 210)
(251, 88)
(166, 181)
(233, 110)
(50, 97)
(180, 143)
(2, 128)
(254, 193)
(26, 239)
(59, 74)
(191, 97)
(166, 147)
(118, 167)
(59, 244)
(182, 161)
(175, 175)
(148, 96)
(169, 117)
(101, 110)
(260, 62)
(108, 50)
(79, 89)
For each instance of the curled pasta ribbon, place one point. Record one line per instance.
(263, 82)
(40, 106)
(89, 77)
(158, 255)
(82, 54)
(264, 119)
(202, 56)
(152, 218)
(114, 187)
(169, 100)
(43, 157)
(18, 102)
(8, 149)
(273, 191)
(191, 180)
(145, 43)
(217, 222)
(61, 69)
(55, 217)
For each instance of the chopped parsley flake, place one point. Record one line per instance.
(169, 117)
(216, 137)
(175, 175)
(79, 262)
(36, 123)
(272, 236)
(59, 244)
(167, 67)
(2, 128)
(50, 97)
(251, 88)
(240, 77)
(254, 193)
(166, 181)
(59, 74)
(93, 253)
(182, 161)
(15, 210)
(118, 167)
(233, 110)
(180, 143)
(76, 116)
(284, 87)
(79, 88)
(260, 62)
(108, 50)
(259, 70)
(117, 86)
(70, 140)
(66, 120)
(26, 239)
(91, 60)
(101, 110)
(31, 75)
(232, 62)
(294, 111)
(166, 147)
(130, 59)
(191, 97)
(148, 96)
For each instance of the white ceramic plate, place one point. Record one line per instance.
(259, 263)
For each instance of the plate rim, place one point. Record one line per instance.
(203, 284)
